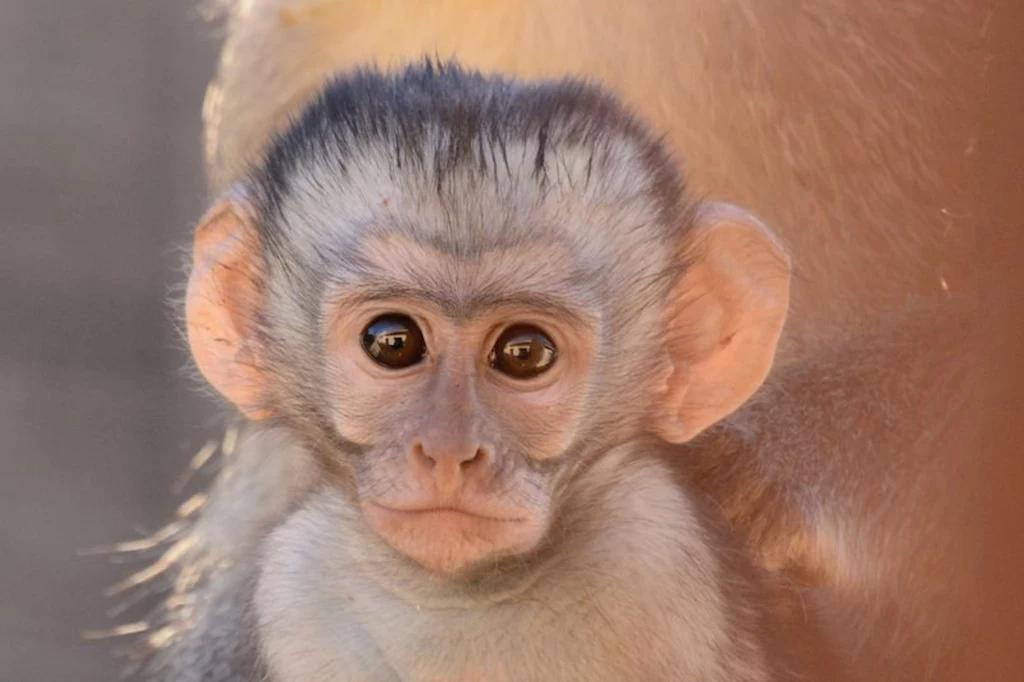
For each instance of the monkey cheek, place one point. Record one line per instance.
(452, 542)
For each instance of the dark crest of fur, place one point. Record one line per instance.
(479, 114)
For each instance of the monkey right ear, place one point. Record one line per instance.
(222, 304)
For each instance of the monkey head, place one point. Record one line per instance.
(459, 291)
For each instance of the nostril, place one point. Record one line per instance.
(420, 455)
(451, 457)
(478, 458)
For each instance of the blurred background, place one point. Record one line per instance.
(100, 178)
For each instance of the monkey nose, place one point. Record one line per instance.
(449, 459)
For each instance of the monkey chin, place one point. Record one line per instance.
(453, 542)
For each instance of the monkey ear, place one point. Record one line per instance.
(221, 305)
(725, 315)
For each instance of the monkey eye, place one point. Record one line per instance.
(394, 341)
(523, 351)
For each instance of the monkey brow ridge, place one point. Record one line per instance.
(462, 305)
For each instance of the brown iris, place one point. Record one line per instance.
(394, 341)
(523, 351)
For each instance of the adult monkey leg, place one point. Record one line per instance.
(847, 127)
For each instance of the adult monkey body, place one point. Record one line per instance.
(875, 189)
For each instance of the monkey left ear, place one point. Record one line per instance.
(725, 316)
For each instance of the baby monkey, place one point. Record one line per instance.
(483, 313)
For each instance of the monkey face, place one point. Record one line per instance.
(465, 405)
(465, 303)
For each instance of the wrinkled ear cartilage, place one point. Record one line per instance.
(221, 304)
(732, 303)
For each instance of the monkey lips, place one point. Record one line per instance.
(453, 537)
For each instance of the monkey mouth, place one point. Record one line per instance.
(443, 511)
(451, 538)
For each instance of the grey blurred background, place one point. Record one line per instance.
(100, 179)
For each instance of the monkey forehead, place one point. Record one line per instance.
(540, 276)
(478, 243)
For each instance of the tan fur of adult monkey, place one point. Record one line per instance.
(898, 167)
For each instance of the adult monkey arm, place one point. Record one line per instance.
(847, 128)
